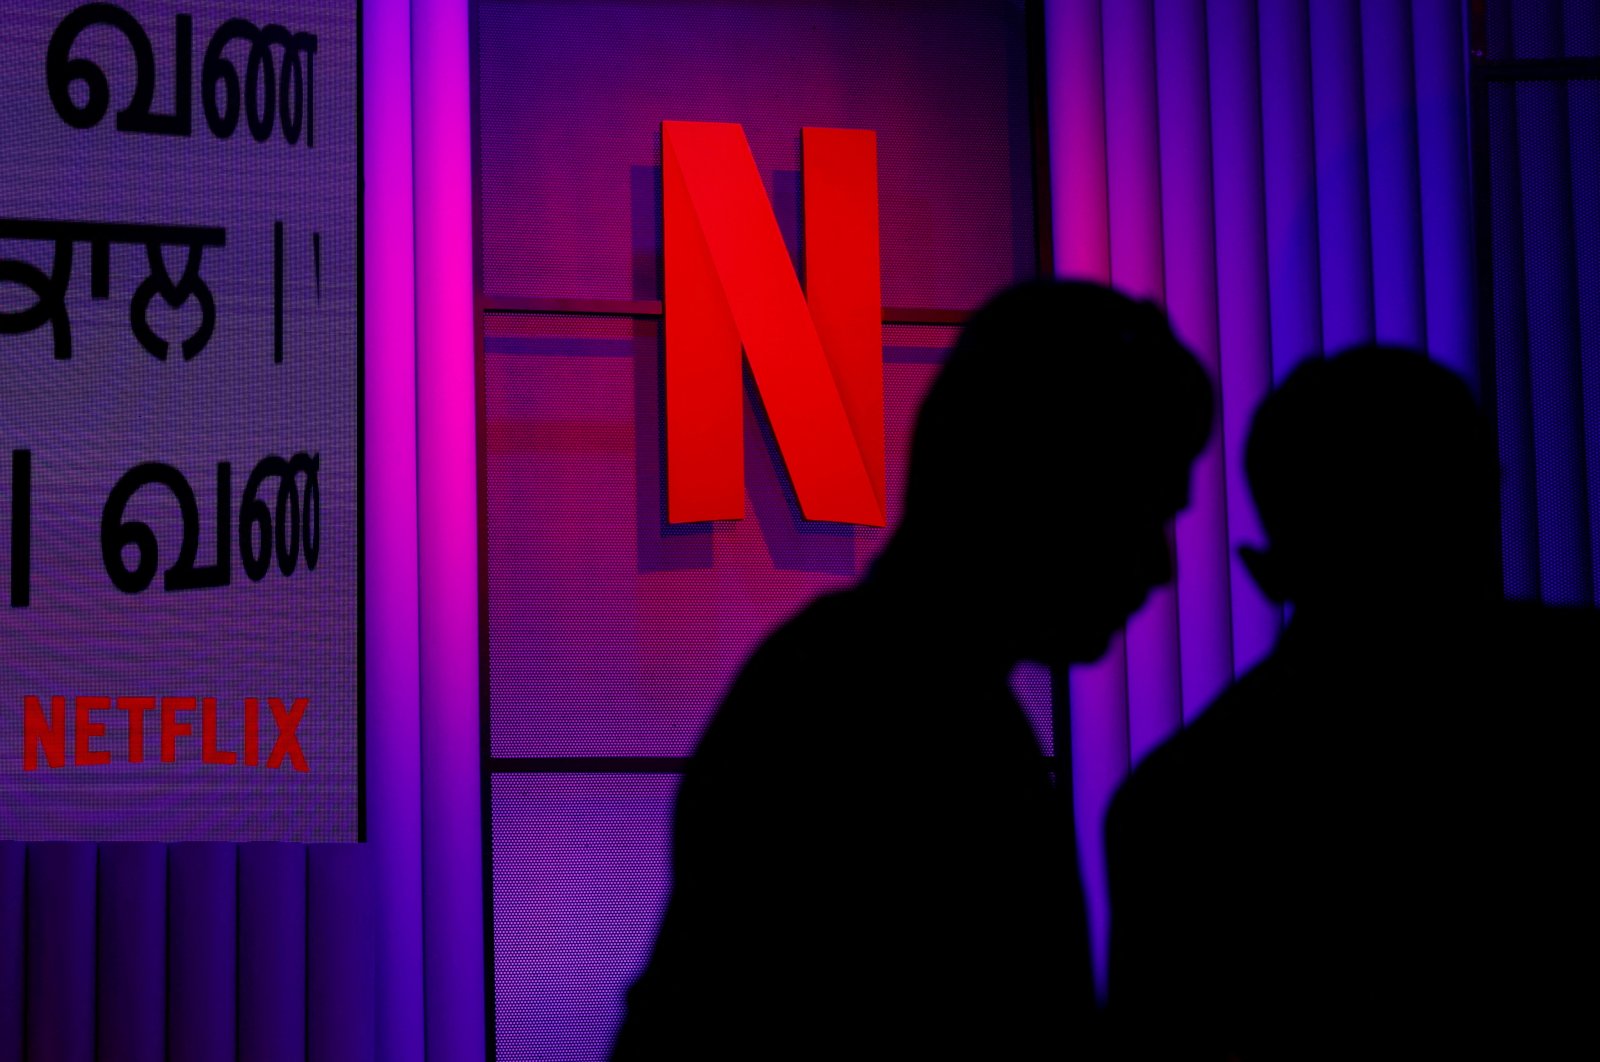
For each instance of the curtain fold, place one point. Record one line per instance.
(1289, 162)
(1286, 177)
(1393, 188)
(1448, 254)
(1344, 219)
(1205, 658)
(1583, 113)
(1549, 265)
(1243, 307)
(1138, 266)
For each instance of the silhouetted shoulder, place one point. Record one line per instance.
(797, 678)
(1538, 732)
(855, 786)
(1212, 753)
(1350, 850)
(1171, 848)
(870, 858)
(809, 715)
(1173, 801)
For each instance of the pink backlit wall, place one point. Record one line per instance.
(1285, 177)
(612, 633)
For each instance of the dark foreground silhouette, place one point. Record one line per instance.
(1377, 844)
(869, 857)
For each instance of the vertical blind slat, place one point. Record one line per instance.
(1098, 694)
(1550, 316)
(1444, 170)
(1294, 254)
(1390, 95)
(1075, 105)
(13, 889)
(1550, 273)
(1133, 157)
(1344, 218)
(60, 951)
(1583, 130)
(131, 971)
(202, 890)
(272, 952)
(1243, 304)
(1205, 624)
(1519, 536)
(340, 972)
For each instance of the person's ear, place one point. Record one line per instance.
(1266, 568)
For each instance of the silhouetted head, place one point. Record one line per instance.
(1048, 458)
(1377, 483)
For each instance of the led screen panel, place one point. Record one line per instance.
(179, 425)
(580, 880)
(613, 632)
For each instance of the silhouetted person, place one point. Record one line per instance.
(1376, 844)
(869, 857)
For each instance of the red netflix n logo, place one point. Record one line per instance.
(816, 358)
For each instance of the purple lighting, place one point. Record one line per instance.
(447, 506)
(1290, 212)
(393, 738)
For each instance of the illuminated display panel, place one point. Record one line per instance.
(179, 426)
(611, 632)
(583, 879)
